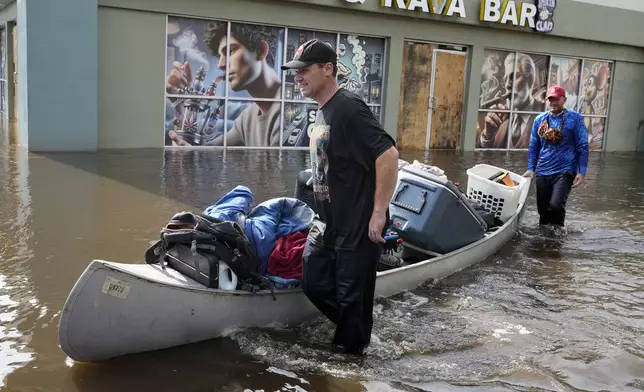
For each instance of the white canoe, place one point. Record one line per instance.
(116, 309)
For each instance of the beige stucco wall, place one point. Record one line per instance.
(626, 108)
(131, 70)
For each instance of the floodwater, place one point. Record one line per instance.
(544, 314)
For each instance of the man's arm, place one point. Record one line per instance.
(233, 136)
(373, 144)
(582, 145)
(535, 145)
(386, 178)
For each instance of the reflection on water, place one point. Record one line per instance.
(18, 302)
(546, 313)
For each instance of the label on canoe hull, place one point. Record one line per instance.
(116, 288)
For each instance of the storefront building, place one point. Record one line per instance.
(439, 74)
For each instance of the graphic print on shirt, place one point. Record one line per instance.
(319, 142)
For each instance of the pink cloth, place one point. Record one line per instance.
(286, 259)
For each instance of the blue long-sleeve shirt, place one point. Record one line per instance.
(570, 155)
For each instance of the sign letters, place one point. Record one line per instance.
(546, 12)
(508, 12)
(439, 7)
(436, 7)
(536, 14)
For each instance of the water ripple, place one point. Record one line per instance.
(551, 311)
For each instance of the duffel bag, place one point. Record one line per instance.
(212, 239)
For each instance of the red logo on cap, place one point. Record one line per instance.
(556, 91)
(299, 51)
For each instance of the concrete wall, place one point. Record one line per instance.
(131, 53)
(8, 13)
(57, 70)
(626, 107)
(132, 47)
(634, 5)
(21, 76)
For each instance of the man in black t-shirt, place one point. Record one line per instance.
(355, 167)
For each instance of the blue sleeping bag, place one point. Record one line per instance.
(234, 206)
(264, 224)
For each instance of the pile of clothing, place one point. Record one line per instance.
(276, 228)
(435, 170)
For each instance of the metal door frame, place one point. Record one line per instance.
(13, 93)
(639, 147)
(4, 111)
(432, 99)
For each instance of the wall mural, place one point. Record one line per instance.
(512, 95)
(230, 90)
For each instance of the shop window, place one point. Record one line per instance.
(360, 66)
(491, 129)
(513, 89)
(512, 95)
(593, 99)
(587, 85)
(566, 72)
(194, 121)
(298, 121)
(360, 70)
(224, 78)
(294, 40)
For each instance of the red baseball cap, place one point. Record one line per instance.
(556, 91)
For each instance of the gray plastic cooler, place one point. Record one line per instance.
(431, 213)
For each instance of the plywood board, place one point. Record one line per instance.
(414, 95)
(449, 91)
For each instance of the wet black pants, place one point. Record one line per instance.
(341, 285)
(552, 196)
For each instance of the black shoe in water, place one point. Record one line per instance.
(355, 351)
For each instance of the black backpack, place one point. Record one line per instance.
(205, 235)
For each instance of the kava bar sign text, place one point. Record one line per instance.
(537, 16)
(437, 7)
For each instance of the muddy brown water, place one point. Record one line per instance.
(543, 314)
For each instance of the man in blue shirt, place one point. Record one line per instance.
(558, 156)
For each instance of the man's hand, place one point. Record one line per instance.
(177, 139)
(376, 226)
(179, 78)
(386, 178)
(529, 173)
(578, 181)
(309, 182)
(493, 121)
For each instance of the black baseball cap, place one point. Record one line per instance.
(312, 52)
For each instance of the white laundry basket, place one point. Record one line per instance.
(499, 199)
